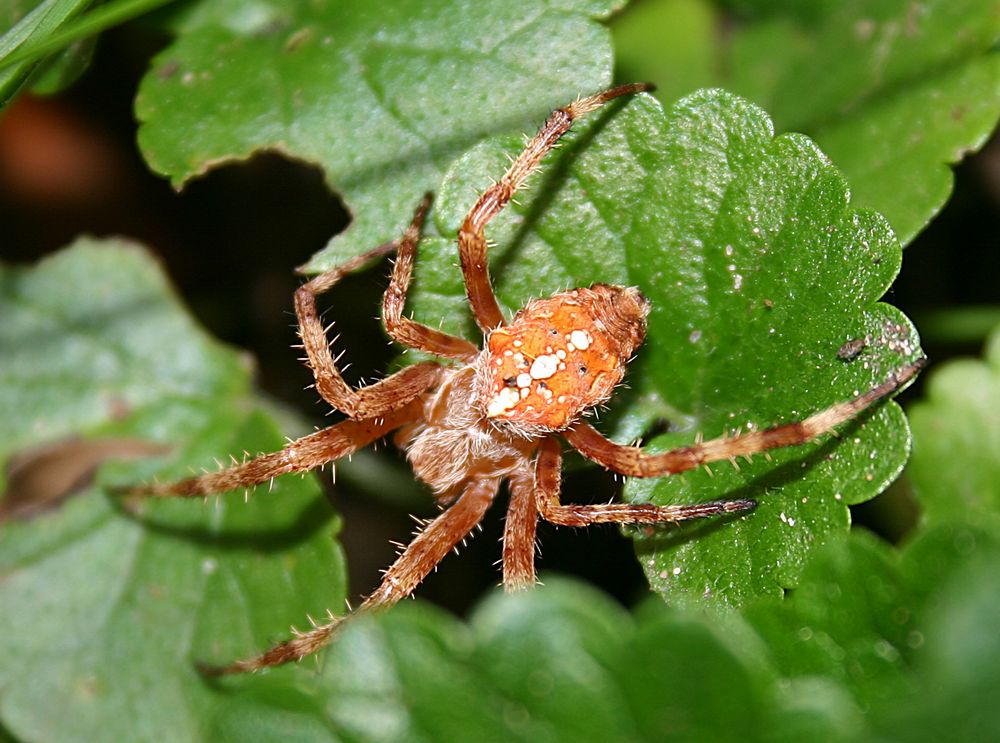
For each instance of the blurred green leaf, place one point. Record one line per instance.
(562, 663)
(953, 650)
(106, 605)
(955, 470)
(62, 70)
(850, 620)
(901, 637)
(381, 98)
(673, 43)
(24, 23)
(893, 92)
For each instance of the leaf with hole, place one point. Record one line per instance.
(381, 99)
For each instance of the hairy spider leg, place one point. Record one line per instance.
(303, 454)
(548, 473)
(520, 526)
(431, 546)
(402, 329)
(380, 397)
(633, 462)
(472, 245)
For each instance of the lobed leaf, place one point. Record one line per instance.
(955, 470)
(381, 99)
(759, 270)
(903, 651)
(894, 92)
(106, 604)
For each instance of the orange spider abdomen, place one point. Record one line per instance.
(560, 356)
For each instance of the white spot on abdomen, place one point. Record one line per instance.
(544, 367)
(504, 400)
(580, 339)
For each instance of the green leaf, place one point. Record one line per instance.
(956, 655)
(561, 663)
(759, 270)
(955, 469)
(893, 92)
(859, 52)
(382, 100)
(897, 635)
(106, 605)
(852, 619)
(23, 24)
(932, 124)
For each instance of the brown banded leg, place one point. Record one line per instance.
(375, 399)
(548, 473)
(519, 533)
(472, 246)
(302, 454)
(402, 329)
(411, 567)
(632, 461)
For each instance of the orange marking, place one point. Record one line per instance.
(550, 364)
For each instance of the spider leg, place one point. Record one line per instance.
(519, 534)
(632, 461)
(378, 398)
(402, 329)
(548, 474)
(411, 567)
(472, 244)
(302, 454)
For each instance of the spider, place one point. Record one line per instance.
(498, 414)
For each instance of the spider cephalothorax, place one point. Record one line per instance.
(498, 414)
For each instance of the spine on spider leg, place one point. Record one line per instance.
(800, 432)
(305, 453)
(634, 462)
(419, 558)
(559, 122)
(472, 246)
